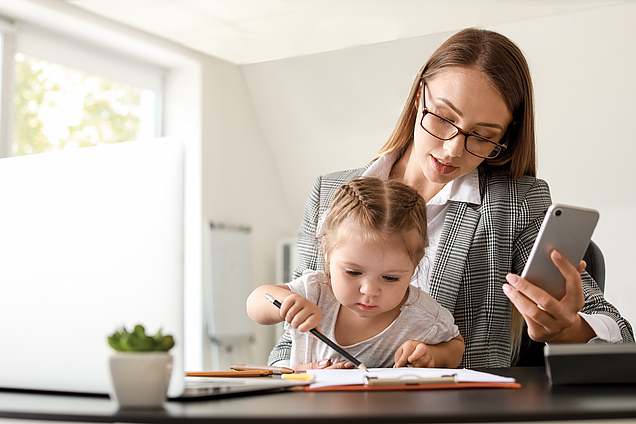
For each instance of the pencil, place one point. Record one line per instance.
(274, 370)
(247, 373)
(324, 338)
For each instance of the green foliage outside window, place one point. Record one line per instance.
(58, 107)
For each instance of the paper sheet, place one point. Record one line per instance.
(325, 378)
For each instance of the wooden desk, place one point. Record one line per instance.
(535, 401)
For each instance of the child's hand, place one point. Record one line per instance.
(414, 353)
(300, 312)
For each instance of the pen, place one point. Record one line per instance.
(324, 338)
(274, 370)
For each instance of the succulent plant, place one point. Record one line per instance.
(138, 341)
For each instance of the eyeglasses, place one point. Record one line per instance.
(443, 129)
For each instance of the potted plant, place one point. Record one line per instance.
(140, 368)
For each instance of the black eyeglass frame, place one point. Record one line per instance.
(497, 149)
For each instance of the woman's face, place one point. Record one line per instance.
(466, 98)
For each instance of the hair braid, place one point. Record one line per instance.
(387, 210)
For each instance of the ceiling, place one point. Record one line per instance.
(250, 31)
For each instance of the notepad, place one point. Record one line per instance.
(344, 379)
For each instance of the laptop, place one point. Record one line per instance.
(91, 240)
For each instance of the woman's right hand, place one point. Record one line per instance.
(548, 319)
(300, 313)
(324, 364)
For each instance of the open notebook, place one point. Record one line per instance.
(91, 240)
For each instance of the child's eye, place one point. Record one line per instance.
(352, 273)
(390, 279)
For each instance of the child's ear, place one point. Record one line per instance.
(422, 254)
(324, 245)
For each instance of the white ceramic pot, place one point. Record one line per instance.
(140, 379)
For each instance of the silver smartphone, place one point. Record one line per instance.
(567, 229)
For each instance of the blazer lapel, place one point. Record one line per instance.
(455, 240)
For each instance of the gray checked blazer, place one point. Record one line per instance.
(478, 246)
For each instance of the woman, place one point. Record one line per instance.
(465, 141)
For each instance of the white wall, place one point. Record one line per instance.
(241, 183)
(333, 111)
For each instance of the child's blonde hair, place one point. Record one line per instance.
(391, 211)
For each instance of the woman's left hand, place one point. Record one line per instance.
(549, 319)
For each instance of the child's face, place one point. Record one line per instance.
(369, 278)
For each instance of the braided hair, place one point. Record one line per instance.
(390, 211)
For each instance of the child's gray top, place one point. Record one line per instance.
(421, 318)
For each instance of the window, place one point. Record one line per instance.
(69, 95)
(117, 62)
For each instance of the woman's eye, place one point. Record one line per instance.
(487, 137)
(479, 140)
(390, 279)
(438, 120)
(441, 119)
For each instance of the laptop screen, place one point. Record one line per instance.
(90, 240)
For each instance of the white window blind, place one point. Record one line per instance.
(75, 54)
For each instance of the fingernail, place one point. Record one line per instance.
(349, 365)
(556, 255)
(324, 363)
(506, 288)
(512, 279)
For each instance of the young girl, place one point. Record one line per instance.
(373, 239)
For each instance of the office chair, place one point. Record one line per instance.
(595, 264)
(531, 353)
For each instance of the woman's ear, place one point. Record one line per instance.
(418, 95)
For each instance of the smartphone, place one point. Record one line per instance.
(567, 229)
